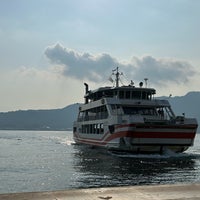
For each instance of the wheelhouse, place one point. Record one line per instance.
(124, 92)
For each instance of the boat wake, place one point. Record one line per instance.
(60, 140)
(166, 155)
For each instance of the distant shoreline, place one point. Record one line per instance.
(68, 129)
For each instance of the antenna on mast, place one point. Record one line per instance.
(117, 74)
(146, 79)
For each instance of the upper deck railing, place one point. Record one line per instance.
(124, 92)
(120, 92)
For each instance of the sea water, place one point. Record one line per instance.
(49, 160)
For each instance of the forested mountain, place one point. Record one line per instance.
(56, 119)
(188, 104)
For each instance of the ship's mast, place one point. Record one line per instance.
(116, 76)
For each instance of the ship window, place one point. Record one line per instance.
(87, 128)
(108, 93)
(93, 114)
(121, 94)
(130, 110)
(139, 110)
(101, 129)
(104, 112)
(136, 95)
(98, 128)
(116, 109)
(128, 94)
(81, 116)
(92, 129)
(144, 95)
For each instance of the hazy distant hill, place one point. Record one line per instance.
(188, 104)
(62, 119)
(56, 119)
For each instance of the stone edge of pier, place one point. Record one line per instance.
(158, 192)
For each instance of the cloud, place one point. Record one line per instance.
(96, 67)
(163, 70)
(51, 73)
(81, 65)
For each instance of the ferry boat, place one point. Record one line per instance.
(131, 119)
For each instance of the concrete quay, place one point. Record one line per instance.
(153, 192)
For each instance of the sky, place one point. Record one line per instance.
(49, 48)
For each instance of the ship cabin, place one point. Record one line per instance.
(123, 92)
(123, 100)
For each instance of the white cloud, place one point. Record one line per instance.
(81, 66)
(32, 73)
(95, 67)
(163, 71)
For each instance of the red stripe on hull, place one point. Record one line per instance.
(154, 126)
(141, 131)
(89, 141)
(158, 135)
(138, 135)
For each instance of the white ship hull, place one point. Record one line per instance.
(142, 138)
